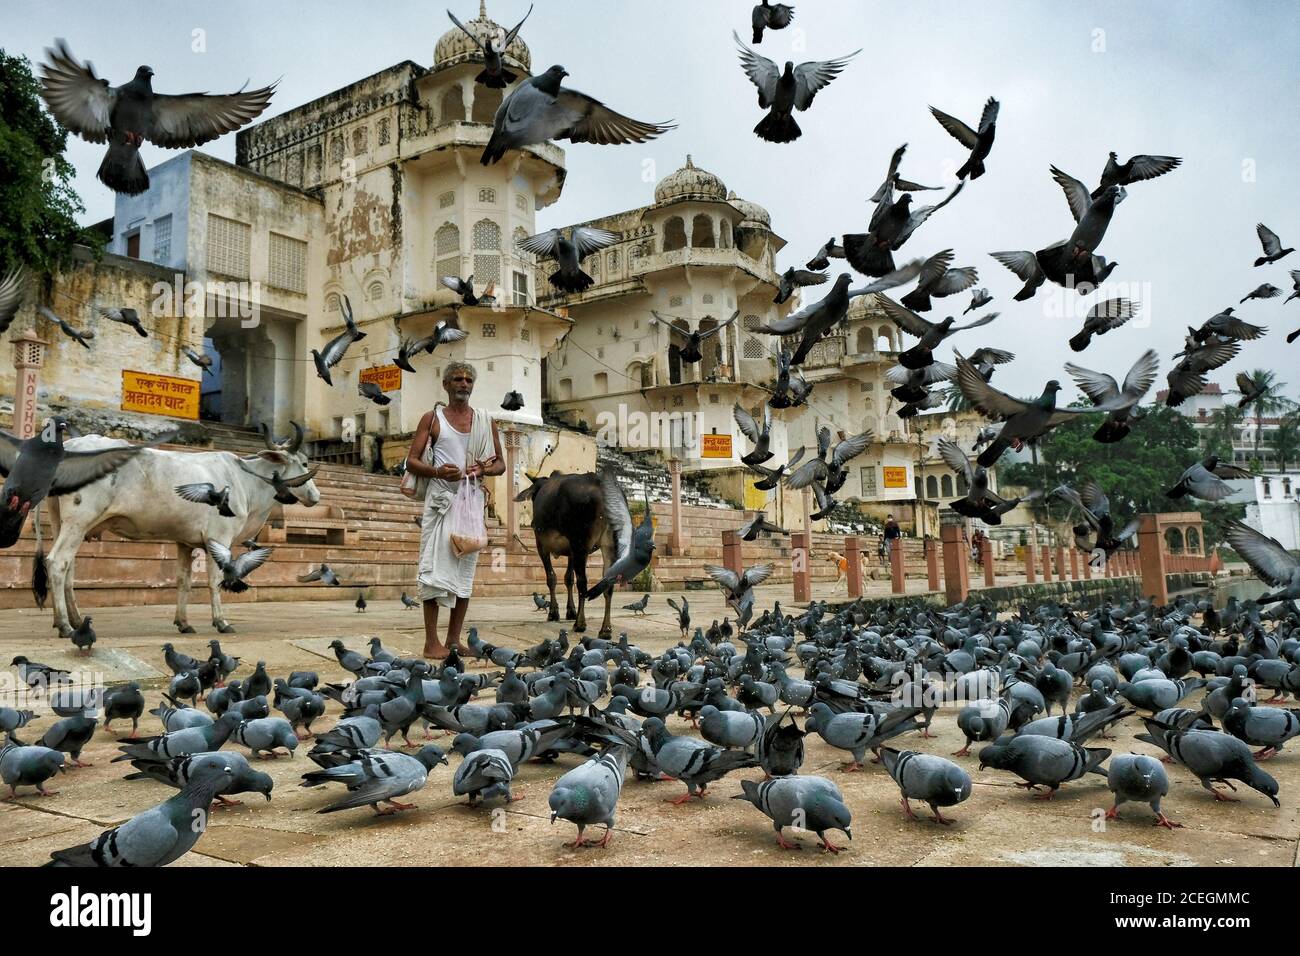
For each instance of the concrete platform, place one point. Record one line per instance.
(999, 825)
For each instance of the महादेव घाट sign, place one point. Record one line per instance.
(160, 394)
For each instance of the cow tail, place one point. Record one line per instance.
(40, 574)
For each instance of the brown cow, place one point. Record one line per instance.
(569, 521)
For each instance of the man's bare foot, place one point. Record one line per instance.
(437, 653)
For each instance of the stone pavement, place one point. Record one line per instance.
(999, 825)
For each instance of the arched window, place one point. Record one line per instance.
(384, 135)
(674, 234)
(1174, 541)
(447, 250)
(885, 339)
(1193, 539)
(946, 482)
(486, 240)
(962, 485)
(336, 149)
(486, 103)
(487, 195)
(676, 369)
(360, 140)
(332, 302)
(702, 232)
(931, 487)
(313, 164)
(600, 383)
(452, 108)
(487, 236)
(724, 235)
(375, 291)
(712, 349)
(864, 340)
(566, 389)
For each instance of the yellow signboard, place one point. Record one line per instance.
(387, 377)
(160, 394)
(715, 446)
(895, 477)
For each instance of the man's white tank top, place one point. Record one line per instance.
(451, 448)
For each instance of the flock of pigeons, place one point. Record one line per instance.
(860, 676)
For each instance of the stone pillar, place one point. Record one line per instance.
(1087, 567)
(896, 581)
(1047, 564)
(853, 558)
(1074, 564)
(801, 541)
(1030, 576)
(956, 575)
(677, 537)
(932, 564)
(513, 442)
(1060, 563)
(989, 571)
(29, 356)
(1151, 558)
(731, 560)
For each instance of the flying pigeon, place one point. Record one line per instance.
(206, 493)
(1091, 216)
(794, 278)
(81, 337)
(979, 142)
(443, 333)
(202, 361)
(539, 109)
(1035, 268)
(891, 225)
(761, 438)
(1094, 505)
(494, 74)
(738, 589)
(1265, 291)
(283, 486)
(234, 570)
(1205, 480)
(324, 574)
(513, 401)
(125, 316)
(757, 525)
(1187, 378)
(832, 472)
(689, 352)
(830, 250)
(569, 253)
(11, 295)
(1271, 562)
(1273, 250)
(635, 545)
(978, 299)
(372, 391)
(893, 181)
(980, 501)
(337, 347)
(462, 287)
(1102, 318)
(940, 284)
(40, 466)
(1137, 169)
(128, 115)
(814, 321)
(770, 16)
(931, 334)
(781, 93)
(1103, 390)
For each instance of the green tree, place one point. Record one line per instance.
(1134, 472)
(1286, 440)
(1223, 430)
(1268, 399)
(955, 400)
(38, 207)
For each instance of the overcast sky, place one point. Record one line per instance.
(1213, 82)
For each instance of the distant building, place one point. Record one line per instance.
(1200, 409)
(1272, 506)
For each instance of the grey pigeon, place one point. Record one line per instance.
(234, 570)
(781, 93)
(731, 728)
(1187, 378)
(829, 250)
(378, 776)
(484, 775)
(693, 762)
(1205, 480)
(494, 74)
(806, 803)
(540, 109)
(70, 735)
(1265, 727)
(160, 835)
(588, 794)
(1265, 291)
(569, 253)
(1158, 693)
(770, 16)
(12, 719)
(934, 780)
(178, 773)
(1137, 169)
(634, 546)
(1271, 562)
(1042, 761)
(81, 336)
(1103, 317)
(931, 334)
(1211, 757)
(29, 766)
(890, 226)
(979, 141)
(338, 346)
(793, 279)
(127, 116)
(202, 361)
(373, 392)
(1138, 778)
(125, 316)
(11, 296)
(181, 743)
(1227, 326)
(858, 733)
(1271, 244)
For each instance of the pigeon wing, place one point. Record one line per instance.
(588, 239)
(587, 120)
(956, 128)
(757, 574)
(851, 448)
(1266, 556)
(955, 459)
(1076, 193)
(617, 512)
(192, 119)
(1113, 312)
(983, 396)
(748, 427)
(1140, 377)
(976, 323)
(1098, 386)
(1267, 238)
(79, 99)
(762, 72)
(1022, 263)
(1149, 167)
(80, 468)
(543, 244)
(729, 580)
(812, 76)
(250, 561)
(905, 318)
(9, 446)
(954, 281)
(197, 491)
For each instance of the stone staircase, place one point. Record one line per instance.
(383, 548)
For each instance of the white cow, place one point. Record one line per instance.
(139, 502)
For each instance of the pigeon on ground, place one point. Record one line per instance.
(569, 253)
(1272, 245)
(1104, 391)
(161, 834)
(588, 794)
(1265, 727)
(125, 316)
(1137, 169)
(124, 702)
(540, 109)
(731, 728)
(40, 466)
(179, 772)
(513, 401)
(338, 346)
(635, 546)
(931, 334)
(683, 613)
(11, 720)
(360, 601)
(688, 343)
(858, 733)
(1211, 757)
(770, 16)
(1205, 480)
(1102, 318)
(24, 765)
(234, 570)
(83, 636)
(793, 279)
(378, 776)
(126, 116)
(181, 743)
(781, 93)
(1272, 563)
(206, 493)
(693, 762)
(1138, 778)
(70, 735)
(264, 735)
(409, 602)
(934, 780)
(1043, 761)
(978, 141)
(1158, 693)
(484, 775)
(805, 803)
(494, 74)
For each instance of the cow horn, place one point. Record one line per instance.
(298, 436)
(266, 437)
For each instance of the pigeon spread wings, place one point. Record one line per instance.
(1265, 555)
(617, 512)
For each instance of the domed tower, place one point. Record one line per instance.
(459, 60)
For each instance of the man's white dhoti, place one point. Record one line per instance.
(442, 576)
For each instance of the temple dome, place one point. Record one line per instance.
(454, 47)
(690, 182)
(751, 213)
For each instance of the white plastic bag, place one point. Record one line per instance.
(465, 521)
